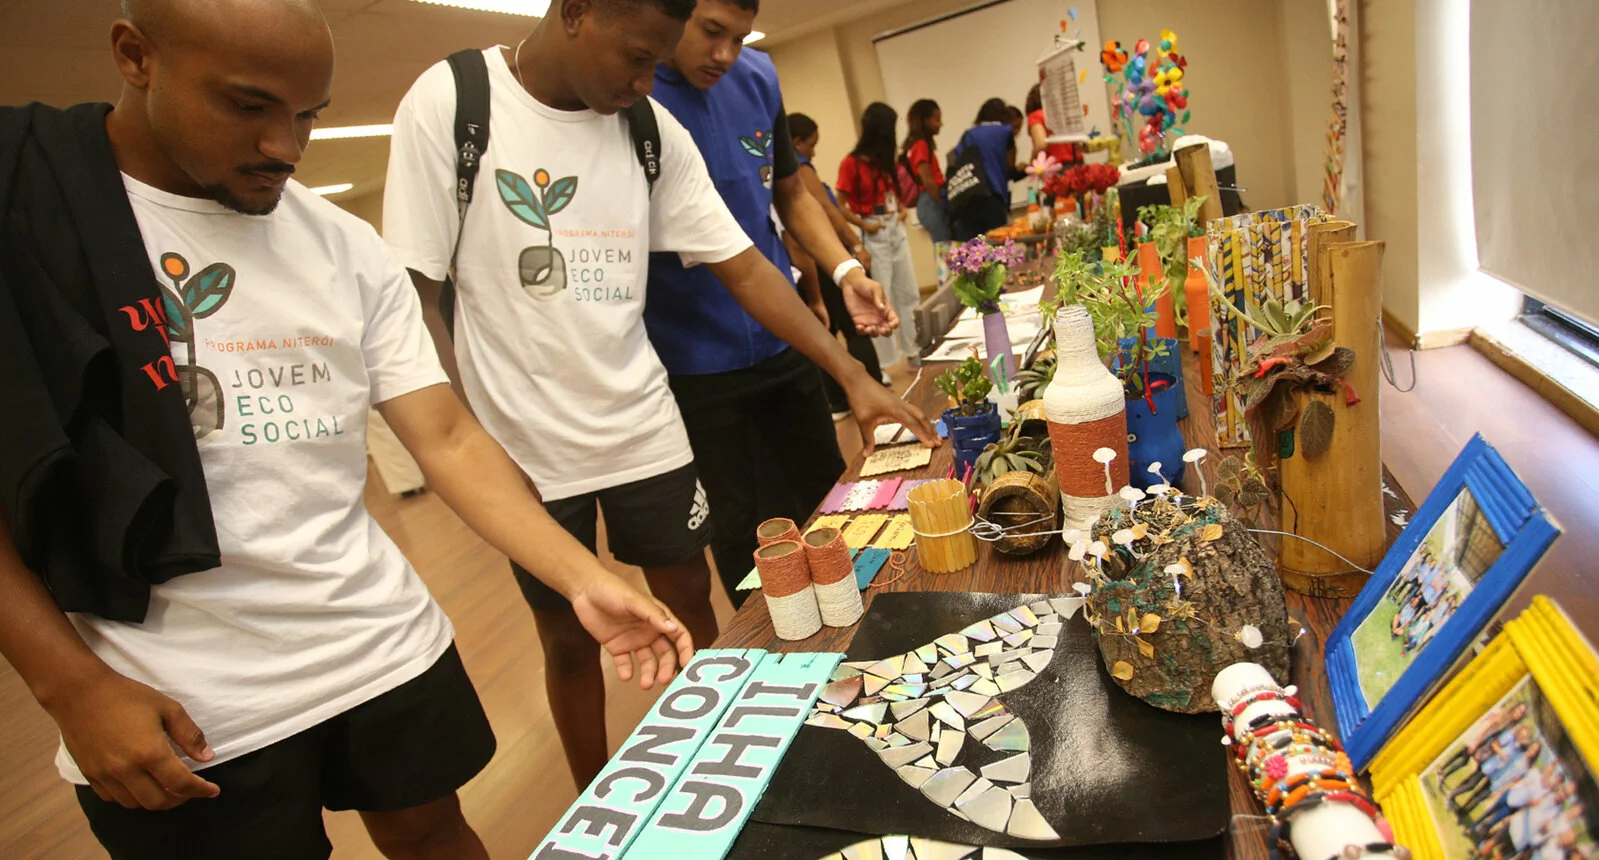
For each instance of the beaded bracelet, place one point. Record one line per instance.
(1294, 783)
(1276, 767)
(1314, 786)
(1257, 755)
(1265, 696)
(1289, 690)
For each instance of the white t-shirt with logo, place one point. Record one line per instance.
(549, 328)
(292, 324)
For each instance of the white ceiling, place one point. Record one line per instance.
(57, 51)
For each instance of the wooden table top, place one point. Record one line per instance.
(1048, 571)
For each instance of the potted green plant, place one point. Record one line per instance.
(1122, 319)
(980, 270)
(972, 419)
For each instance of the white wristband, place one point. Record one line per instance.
(844, 269)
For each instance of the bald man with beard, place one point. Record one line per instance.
(311, 669)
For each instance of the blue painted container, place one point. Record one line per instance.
(970, 434)
(1170, 364)
(1152, 434)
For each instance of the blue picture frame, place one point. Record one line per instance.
(1522, 528)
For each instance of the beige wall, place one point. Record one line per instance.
(1388, 113)
(367, 207)
(1306, 40)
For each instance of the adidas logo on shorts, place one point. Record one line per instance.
(700, 510)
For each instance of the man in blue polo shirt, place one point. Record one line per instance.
(756, 413)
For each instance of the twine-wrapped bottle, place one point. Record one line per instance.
(1087, 410)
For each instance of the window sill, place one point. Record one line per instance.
(1564, 379)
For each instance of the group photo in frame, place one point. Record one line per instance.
(1501, 763)
(1463, 555)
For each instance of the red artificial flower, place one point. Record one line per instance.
(1142, 47)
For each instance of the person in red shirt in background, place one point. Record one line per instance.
(1067, 154)
(866, 188)
(924, 121)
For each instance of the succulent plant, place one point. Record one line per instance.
(1014, 452)
(1030, 383)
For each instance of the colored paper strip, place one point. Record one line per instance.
(835, 499)
(886, 491)
(863, 529)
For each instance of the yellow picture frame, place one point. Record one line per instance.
(1541, 643)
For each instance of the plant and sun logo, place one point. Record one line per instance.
(195, 296)
(542, 267)
(760, 146)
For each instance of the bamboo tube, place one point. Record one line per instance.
(1199, 177)
(1321, 235)
(1336, 499)
(1175, 186)
(941, 515)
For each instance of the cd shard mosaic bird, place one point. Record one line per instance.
(919, 710)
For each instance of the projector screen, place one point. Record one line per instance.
(991, 50)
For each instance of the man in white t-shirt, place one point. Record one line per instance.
(550, 268)
(312, 669)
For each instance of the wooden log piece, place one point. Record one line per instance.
(1320, 236)
(1199, 177)
(1175, 186)
(1023, 501)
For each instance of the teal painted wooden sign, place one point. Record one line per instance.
(688, 777)
(609, 815)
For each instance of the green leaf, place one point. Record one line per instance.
(995, 283)
(1186, 114)
(560, 194)
(967, 291)
(752, 146)
(208, 290)
(177, 316)
(769, 140)
(520, 198)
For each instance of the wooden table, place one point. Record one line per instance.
(1046, 571)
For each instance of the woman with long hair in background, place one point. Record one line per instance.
(920, 154)
(867, 187)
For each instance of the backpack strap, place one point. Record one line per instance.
(471, 72)
(646, 134)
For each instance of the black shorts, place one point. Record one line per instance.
(656, 522)
(410, 746)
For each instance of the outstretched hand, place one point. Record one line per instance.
(868, 306)
(638, 631)
(873, 405)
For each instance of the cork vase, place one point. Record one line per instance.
(1087, 411)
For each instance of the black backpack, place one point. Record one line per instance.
(471, 72)
(967, 186)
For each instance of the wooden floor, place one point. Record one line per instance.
(515, 801)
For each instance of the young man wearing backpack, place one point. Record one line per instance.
(755, 409)
(581, 179)
(194, 590)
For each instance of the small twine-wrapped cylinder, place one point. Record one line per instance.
(774, 530)
(790, 598)
(833, 577)
(941, 516)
